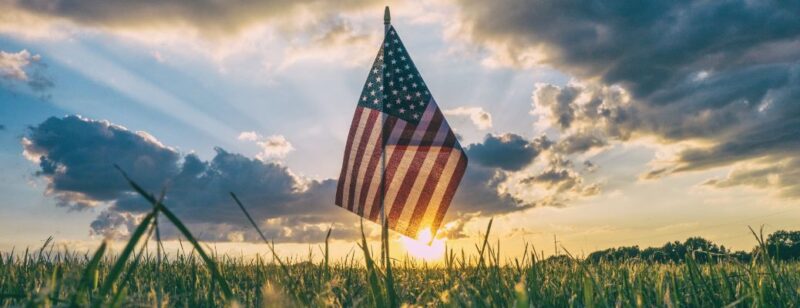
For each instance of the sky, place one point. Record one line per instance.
(589, 124)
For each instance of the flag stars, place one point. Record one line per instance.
(394, 85)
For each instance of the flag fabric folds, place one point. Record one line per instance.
(424, 162)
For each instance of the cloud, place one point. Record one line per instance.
(275, 146)
(580, 142)
(723, 76)
(784, 174)
(248, 136)
(508, 152)
(75, 158)
(479, 117)
(211, 17)
(333, 40)
(505, 176)
(23, 67)
(272, 147)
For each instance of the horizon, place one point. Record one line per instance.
(577, 135)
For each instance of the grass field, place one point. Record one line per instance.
(138, 277)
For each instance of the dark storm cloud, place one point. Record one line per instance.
(508, 160)
(76, 157)
(508, 152)
(206, 15)
(723, 72)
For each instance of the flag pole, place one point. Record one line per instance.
(387, 20)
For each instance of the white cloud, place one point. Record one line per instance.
(248, 136)
(479, 117)
(272, 147)
(275, 146)
(12, 65)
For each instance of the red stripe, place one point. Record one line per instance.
(431, 183)
(391, 168)
(397, 131)
(414, 169)
(450, 192)
(373, 163)
(369, 127)
(353, 126)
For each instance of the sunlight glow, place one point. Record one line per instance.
(423, 247)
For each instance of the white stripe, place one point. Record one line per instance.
(441, 186)
(374, 133)
(399, 126)
(405, 161)
(419, 183)
(352, 159)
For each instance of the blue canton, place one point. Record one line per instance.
(394, 85)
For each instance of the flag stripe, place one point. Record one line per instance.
(419, 183)
(346, 160)
(424, 138)
(374, 196)
(395, 183)
(451, 190)
(432, 182)
(368, 141)
(441, 189)
(370, 175)
(353, 162)
(395, 154)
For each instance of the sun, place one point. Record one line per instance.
(424, 247)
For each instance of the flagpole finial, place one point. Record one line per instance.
(387, 18)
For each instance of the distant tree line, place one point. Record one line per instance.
(781, 245)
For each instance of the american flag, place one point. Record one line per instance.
(423, 163)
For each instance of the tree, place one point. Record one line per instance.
(784, 245)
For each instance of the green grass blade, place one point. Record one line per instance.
(88, 273)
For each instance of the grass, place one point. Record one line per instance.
(135, 277)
